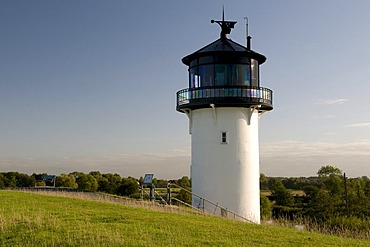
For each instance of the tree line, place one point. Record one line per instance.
(91, 182)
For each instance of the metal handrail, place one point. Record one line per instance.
(210, 202)
(263, 95)
(186, 204)
(162, 200)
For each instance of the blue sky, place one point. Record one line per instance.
(90, 85)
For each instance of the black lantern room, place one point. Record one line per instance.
(224, 74)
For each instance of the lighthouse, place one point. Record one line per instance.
(224, 102)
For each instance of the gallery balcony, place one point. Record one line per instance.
(224, 96)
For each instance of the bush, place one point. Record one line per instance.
(265, 207)
(348, 223)
(128, 187)
(86, 182)
(184, 196)
(286, 212)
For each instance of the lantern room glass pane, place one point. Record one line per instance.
(206, 73)
(220, 74)
(232, 79)
(254, 73)
(194, 78)
(242, 75)
(232, 74)
(191, 77)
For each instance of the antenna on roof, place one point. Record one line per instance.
(246, 26)
(247, 33)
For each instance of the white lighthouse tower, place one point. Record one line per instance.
(224, 103)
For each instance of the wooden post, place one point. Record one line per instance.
(346, 193)
(169, 193)
(152, 192)
(142, 192)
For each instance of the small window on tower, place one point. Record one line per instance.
(223, 137)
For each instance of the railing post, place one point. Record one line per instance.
(224, 212)
(169, 193)
(152, 192)
(142, 192)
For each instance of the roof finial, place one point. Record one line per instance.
(226, 26)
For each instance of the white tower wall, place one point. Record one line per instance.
(227, 174)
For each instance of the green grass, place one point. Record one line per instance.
(29, 219)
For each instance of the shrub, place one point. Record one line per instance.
(265, 207)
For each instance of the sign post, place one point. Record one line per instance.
(148, 179)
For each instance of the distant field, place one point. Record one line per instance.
(28, 219)
(293, 192)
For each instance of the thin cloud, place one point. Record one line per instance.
(330, 133)
(168, 164)
(331, 102)
(309, 149)
(294, 158)
(324, 117)
(360, 125)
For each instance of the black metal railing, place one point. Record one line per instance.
(237, 94)
(208, 206)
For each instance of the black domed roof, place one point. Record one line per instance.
(224, 46)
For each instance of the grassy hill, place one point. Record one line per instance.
(29, 219)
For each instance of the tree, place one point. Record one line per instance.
(184, 182)
(77, 174)
(331, 177)
(265, 207)
(367, 189)
(128, 187)
(264, 182)
(327, 171)
(357, 202)
(141, 180)
(295, 183)
(96, 174)
(86, 182)
(2, 180)
(10, 182)
(162, 182)
(320, 205)
(67, 181)
(16, 179)
(326, 200)
(23, 180)
(109, 183)
(183, 195)
(282, 196)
